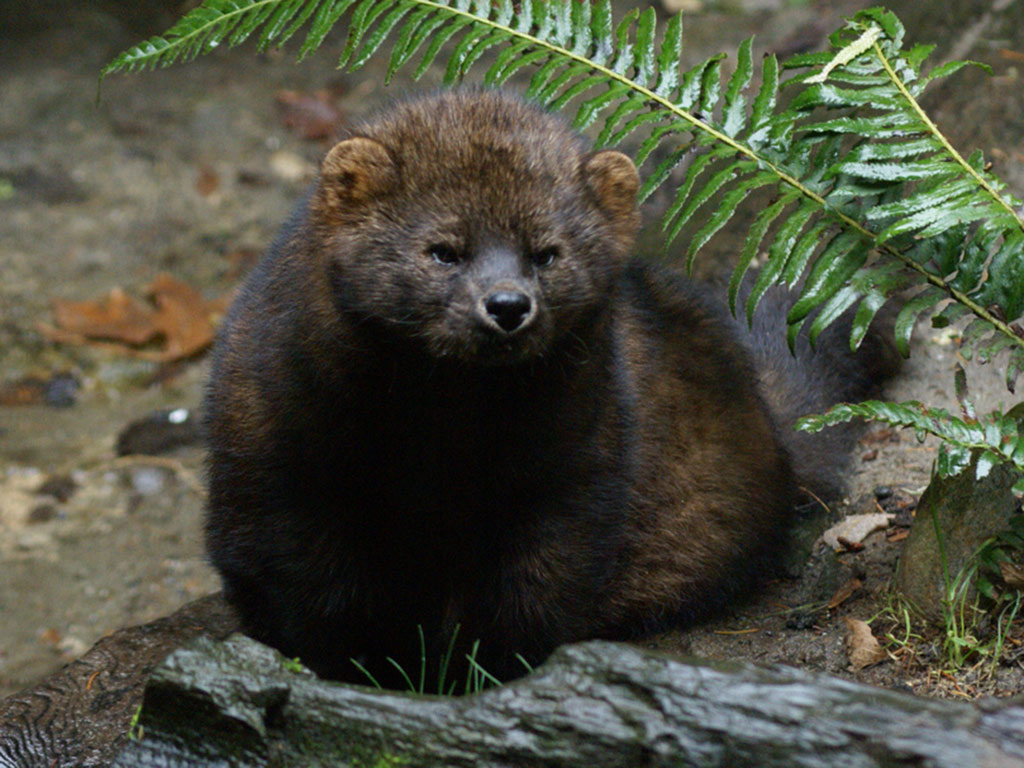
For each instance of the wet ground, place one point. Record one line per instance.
(189, 171)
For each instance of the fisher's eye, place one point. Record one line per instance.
(545, 257)
(443, 253)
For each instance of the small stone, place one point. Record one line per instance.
(61, 391)
(682, 6)
(148, 481)
(800, 620)
(72, 646)
(34, 539)
(159, 432)
(288, 166)
(42, 514)
(60, 487)
(967, 510)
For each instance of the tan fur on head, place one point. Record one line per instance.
(613, 179)
(355, 172)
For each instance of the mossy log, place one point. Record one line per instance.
(239, 703)
(596, 704)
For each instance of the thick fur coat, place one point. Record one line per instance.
(449, 396)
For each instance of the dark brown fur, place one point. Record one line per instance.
(384, 455)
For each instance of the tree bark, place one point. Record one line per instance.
(596, 704)
(78, 717)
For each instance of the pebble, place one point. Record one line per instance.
(61, 391)
(34, 539)
(289, 166)
(148, 481)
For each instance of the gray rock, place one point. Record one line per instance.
(967, 510)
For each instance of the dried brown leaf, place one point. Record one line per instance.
(883, 435)
(850, 546)
(208, 180)
(855, 528)
(862, 647)
(50, 636)
(844, 593)
(118, 317)
(183, 321)
(313, 115)
(183, 317)
(1013, 575)
(30, 390)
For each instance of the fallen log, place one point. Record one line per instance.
(79, 716)
(596, 704)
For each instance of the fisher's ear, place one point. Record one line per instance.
(613, 180)
(356, 171)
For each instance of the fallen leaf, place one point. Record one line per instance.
(844, 593)
(313, 115)
(208, 181)
(180, 326)
(118, 317)
(30, 390)
(50, 636)
(1013, 575)
(183, 317)
(897, 534)
(855, 528)
(862, 647)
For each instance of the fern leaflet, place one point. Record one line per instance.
(998, 437)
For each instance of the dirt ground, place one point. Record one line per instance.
(189, 171)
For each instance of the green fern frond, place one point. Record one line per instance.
(945, 219)
(869, 198)
(997, 437)
(219, 21)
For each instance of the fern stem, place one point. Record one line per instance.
(933, 129)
